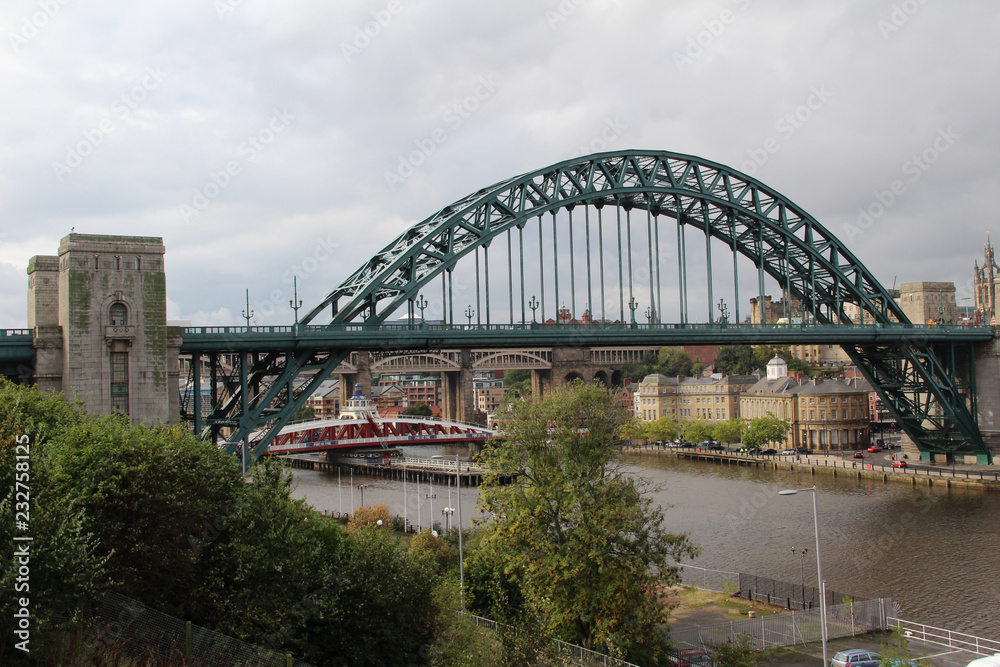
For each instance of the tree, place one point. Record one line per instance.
(419, 409)
(663, 429)
(574, 532)
(765, 430)
(517, 382)
(735, 360)
(730, 431)
(303, 413)
(697, 430)
(674, 362)
(739, 652)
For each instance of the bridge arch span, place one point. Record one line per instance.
(672, 192)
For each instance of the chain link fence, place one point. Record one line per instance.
(844, 620)
(759, 589)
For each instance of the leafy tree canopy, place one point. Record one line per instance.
(574, 533)
(765, 430)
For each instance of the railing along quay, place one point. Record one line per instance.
(819, 464)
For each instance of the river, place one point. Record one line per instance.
(935, 550)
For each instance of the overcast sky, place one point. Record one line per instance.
(259, 137)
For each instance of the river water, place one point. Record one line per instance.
(935, 551)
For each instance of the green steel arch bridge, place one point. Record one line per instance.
(566, 256)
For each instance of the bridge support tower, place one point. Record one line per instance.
(456, 391)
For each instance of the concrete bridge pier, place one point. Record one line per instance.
(456, 391)
(988, 393)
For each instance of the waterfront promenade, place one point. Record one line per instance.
(842, 464)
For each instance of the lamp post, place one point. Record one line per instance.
(802, 572)
(819, 563)
(296, 302)
(421, 303)
(723, 313)
(248, 313)
(447, 512)
(649, 314)
(632, 306)
(458, 503)
(362, 487)
(533, 304)
(470, 312)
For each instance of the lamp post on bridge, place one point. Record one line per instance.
(296, 302)
(650, 314)
(533, 304)
(723, 313)
(632, 306)
(470, 312)
(458, 503)
(248, 313)
(421, 303)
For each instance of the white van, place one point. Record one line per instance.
(989, 661)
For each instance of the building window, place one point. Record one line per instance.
(119, 382)
(118, 314)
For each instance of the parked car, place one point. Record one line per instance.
(690, 657)
(855, 657)
(769, 452)
(874, 449)
(803, 450)
(859, 454)
(789, 452)
(899, 464)
(687, 444)
(751, 451)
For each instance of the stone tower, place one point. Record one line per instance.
(98, 311)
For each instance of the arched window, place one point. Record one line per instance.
(118, 315)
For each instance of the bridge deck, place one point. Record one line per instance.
(365, 337)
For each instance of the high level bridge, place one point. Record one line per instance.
(627, 248)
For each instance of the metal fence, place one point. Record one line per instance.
(949, 638)
(758, 589)
(120, 630)
(577, 654)
(796, 627)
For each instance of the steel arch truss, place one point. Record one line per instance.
(780, 238)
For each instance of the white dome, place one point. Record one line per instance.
(777, 368)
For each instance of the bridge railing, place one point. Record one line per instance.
(444, 465)
(10, 333)
(306, 330)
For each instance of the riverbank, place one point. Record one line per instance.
(966, 476)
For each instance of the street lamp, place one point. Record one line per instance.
(461, 556)
(819, 563)
(248, 313)
(362, 487)
(533, 304)
(470, 312)
(448, 512)
(295, 302)
(802, 572)
(421, 303)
